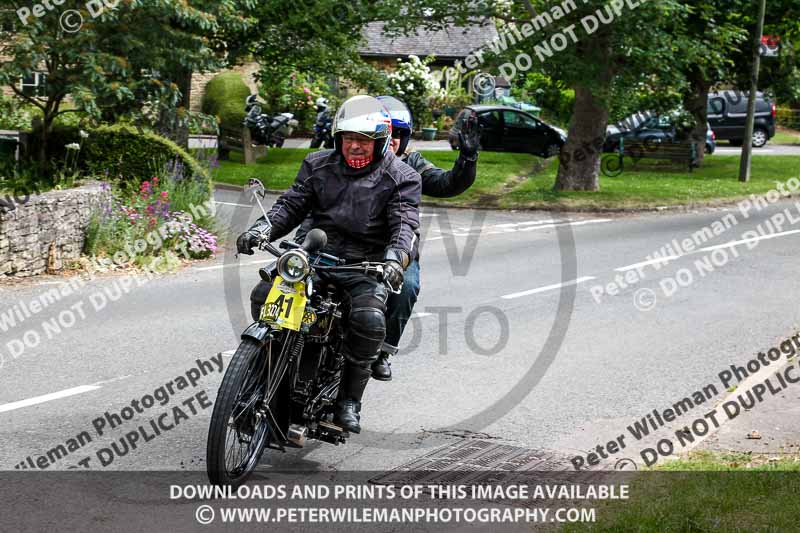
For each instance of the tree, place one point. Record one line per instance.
(134, 57)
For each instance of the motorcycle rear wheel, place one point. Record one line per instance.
(238, 433)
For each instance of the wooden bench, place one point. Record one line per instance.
(242, 141)
(653, 149)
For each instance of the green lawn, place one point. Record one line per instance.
(786, 136)
(654, 183)
(526, 181)
(707, 492)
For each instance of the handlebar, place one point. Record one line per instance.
(366, 267)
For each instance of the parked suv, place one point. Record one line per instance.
(727, 114)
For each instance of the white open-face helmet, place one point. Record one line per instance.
(321, 103)
(367, 116)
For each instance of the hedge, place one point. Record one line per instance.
(225, 97)
(134, 156)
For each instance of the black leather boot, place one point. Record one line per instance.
(382, 368)
(351, 389)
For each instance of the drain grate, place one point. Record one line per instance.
(476, 461)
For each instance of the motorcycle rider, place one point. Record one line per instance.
(322, 125)
(367, 201)
(436, 182)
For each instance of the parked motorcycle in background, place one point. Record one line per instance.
(323, 125)
(267, 130)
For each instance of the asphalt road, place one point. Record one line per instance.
(526, 355)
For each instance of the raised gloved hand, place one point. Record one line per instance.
(249, 239)
(469, 138)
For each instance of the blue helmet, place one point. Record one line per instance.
(402, 123)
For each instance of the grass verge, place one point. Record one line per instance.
(519, 181)
(786, 136)
(707, 492)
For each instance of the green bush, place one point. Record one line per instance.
(132, 156)
(787, 117)
(15, 115)
(225, 98)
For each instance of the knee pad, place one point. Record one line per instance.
(366, 329)
(257, 298)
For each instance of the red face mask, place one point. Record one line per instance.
(360, 162)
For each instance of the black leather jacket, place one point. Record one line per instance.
(364, 212)
(441, 183)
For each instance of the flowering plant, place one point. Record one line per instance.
(413, 83)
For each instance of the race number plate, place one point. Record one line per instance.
(285, 304)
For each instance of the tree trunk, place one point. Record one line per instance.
(696, 102)
(580, 157)
(171, 123)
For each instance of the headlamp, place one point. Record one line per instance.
(293, 266)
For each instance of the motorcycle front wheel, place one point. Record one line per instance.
(316, 142)
(239, 430)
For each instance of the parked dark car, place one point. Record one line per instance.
(506, 129)
(727, 113)
(648, 126)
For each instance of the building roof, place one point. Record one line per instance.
(454, 42)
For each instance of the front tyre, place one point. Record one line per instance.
(316, 142)
(239, 432)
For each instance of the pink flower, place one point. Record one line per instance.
(164, 195)
(306, 90)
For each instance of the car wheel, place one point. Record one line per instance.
(552, 150)
(708, 149)
(759, 138)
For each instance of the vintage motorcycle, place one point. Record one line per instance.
(282, 381)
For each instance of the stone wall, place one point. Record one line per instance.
(43, 232)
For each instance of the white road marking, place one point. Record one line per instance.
(548, 225)
(420, 315)
(665, 259)
(745, 241)
(428, 215)
(227, 353)
(231, 203)
(217, 267)
(47, 397)
(547, 288)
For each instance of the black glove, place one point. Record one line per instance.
(393, 274)
(395, 263)
(469, 138)
(249, 239)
